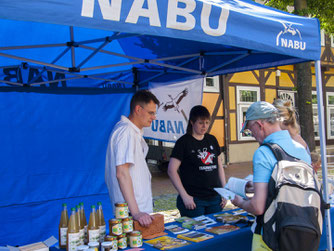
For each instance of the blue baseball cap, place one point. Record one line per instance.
(260, 110)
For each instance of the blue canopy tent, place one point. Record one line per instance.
(68, 67)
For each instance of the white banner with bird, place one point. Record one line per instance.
(176, 100)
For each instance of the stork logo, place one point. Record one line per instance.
(173, 103)
(205, 156)
(290, 37)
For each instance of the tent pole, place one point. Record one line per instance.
(110, 66)
(176, 57)
(39, 46)
(72, 47)
(110, 80)
(93, 53)
(228, 62)
(175, 67)
(33, 61)
(323, 150)
(10, 83)
(56, 80)
(168, 70)
(53, 62)
(115, 36)
(109, 52)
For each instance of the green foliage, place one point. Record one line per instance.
(321, 9)
(324, 11)
(330, 100)
(314, 99)
(279, 4)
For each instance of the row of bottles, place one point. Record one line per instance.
(74, 231)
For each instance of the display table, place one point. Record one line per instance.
(237, 240)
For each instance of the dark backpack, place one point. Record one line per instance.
(294, 208)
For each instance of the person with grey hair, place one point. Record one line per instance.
(262, 120)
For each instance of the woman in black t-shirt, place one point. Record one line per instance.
(195, 167)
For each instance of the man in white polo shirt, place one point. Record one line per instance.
(126, 173)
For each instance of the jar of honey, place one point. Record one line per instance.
(94, 245)
(109, 238)
(106, 246)
(115, 226)
(122, 241)
(127, 225)
(82, 247)
(110, 244)
(136, 239)
(121, 210)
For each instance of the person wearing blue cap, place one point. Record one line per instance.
(263, 122)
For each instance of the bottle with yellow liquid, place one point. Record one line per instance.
(81, 227)
(84, 221)
(63, 224)
(72, 232)
(101, 222)
(93, 227)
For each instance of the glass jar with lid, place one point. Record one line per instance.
(136, 240)
(115, 226)
(121, 210)
(122, 241)
(106, 246)
(94, 245)
(127, 225)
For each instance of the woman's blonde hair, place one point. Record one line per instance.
(287, 113)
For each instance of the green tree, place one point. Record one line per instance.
(321, 9)
(324, 11)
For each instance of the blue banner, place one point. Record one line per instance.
(238, 23)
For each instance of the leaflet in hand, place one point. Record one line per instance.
(234, 186)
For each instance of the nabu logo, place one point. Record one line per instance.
(290, 37)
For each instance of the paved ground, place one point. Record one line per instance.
(164, 193)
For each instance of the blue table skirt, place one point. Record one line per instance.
(323, 240)
(239, 240)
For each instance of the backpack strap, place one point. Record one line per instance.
(279, 153)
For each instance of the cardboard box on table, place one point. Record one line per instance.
(154, 230)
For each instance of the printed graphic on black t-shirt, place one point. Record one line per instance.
(207, 159)
(199, 164)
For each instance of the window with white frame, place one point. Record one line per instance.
(315, 115)
(330, 114)
(245, 97)
(287, 95)
(322, 37)
(211, 84)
